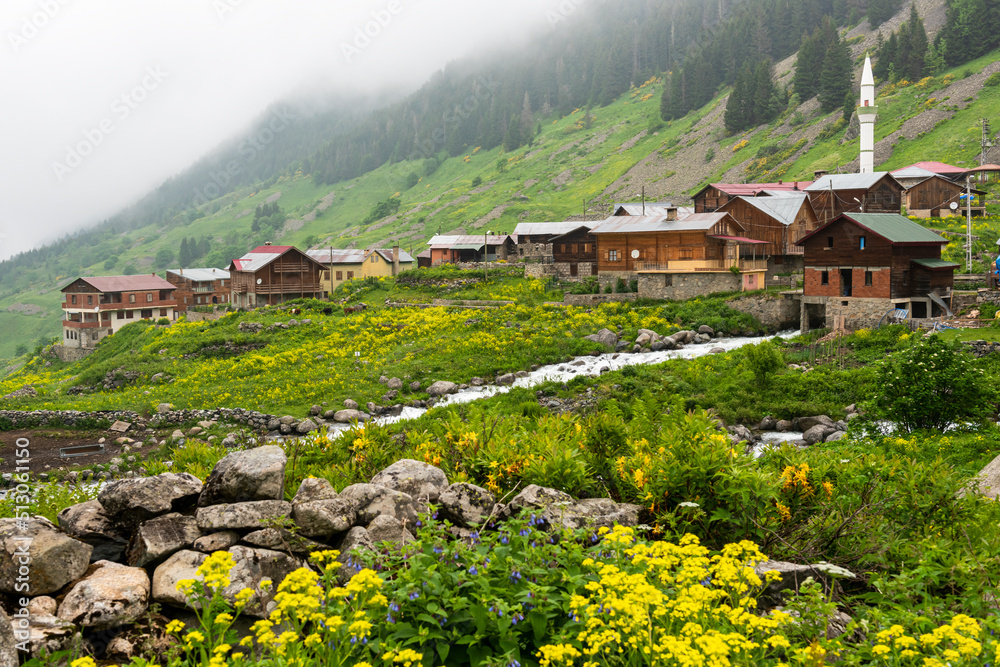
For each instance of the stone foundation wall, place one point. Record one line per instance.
(775, 313)
(858, 312)
(682, 286)
(195, 316)
(71, 354)
(20, 419)
(539, 271)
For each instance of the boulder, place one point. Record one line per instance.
(466, 504)
(89, 523)
(385, 528)
(251, 474)
(43, 605)
(442, 387)
(593, 513)
(794, 575)
(706, 330)
(717, 350)
(55, 558)
(395, 383)
(836, 436)
(767, 424)
(158, 538)
(281, 539)
(314, 488)
(324, 518)
(657, 346)
(649, 332)
(986, 482)
(506, 379)
(416, 478)
(605, 337)
(163, 408)
(348, 416)
(538, 498)
(643, 339)
(252, 515)
(306, 426)
(252, 567)
(415, 385)
(817, 433)
(350, 404)
(216, 541)
(129, 502)
(806, 423)
(356, 538)
(370, 501)
(48, 635)
(109, 595)
(8, 643)
(784, 425)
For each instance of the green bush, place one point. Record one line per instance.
(763, 361)
(931, 384)
(992, 80)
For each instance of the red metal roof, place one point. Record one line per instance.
(987, 167)
(940, 167)
(738, 239)
(126, 283)
(278, 249)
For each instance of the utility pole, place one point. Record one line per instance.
(644, 200)
(968, 224)
(986, 143)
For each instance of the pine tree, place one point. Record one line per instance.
(933, 61)
(836, 80)
(739, 108)
(512, 140)
(918, 45)
(184, 256)
(768, 101)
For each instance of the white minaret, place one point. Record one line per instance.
(867, 112)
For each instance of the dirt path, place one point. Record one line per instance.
(44, 446)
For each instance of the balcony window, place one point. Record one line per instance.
(149, 297)
(131, 298)
(72, 299)
(90, 300)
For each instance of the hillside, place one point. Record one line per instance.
(578, 163)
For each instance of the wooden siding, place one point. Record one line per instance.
(884, 197)
(292, 275)
(760, 226)
(576, 247)
(711, 200)
(932, 195)
(660, 247)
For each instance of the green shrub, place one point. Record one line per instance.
(992, 80)
(930, 384)
(763, 361)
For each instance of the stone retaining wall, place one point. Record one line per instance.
(593, 299)
(71, 354)
(683, 286)
(774, 312)
(23, 419)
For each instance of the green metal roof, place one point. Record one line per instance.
(932, 263)
(895, 228)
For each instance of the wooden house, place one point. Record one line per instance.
(949, 171)
(652, 208)
(455, 248)
(834, 194)
(779, 218)
(98, 307)
(860, 265)
(339, 266)
(200, 287)
(270, 274)
(714, 196)
(931, 197)
(534, 239)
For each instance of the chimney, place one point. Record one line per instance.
(267, 243)
(795, 186)
(395, 260)
(780, 182)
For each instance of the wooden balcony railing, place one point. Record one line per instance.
(698, 266)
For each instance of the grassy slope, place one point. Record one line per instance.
(587, 163)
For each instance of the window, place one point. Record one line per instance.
(90, 300)
(861, 243)
(129, 314)
(586, 247)
(149, 297)
(121, 315)
(824, 278)
(326, 275)
(350, 275)
(340, 275)
(612, 255)
(906, 277)
(829, 241)
(163, 312)
(72, 299)
(131, 298)
(868, 278)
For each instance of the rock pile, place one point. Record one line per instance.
(110, 558)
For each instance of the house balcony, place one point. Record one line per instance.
(74, 324)
(286, 289)
(702, 266)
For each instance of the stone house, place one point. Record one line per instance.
(98, 307)
(199, 287)
(860, 266)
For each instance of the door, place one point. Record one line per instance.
(846, 282)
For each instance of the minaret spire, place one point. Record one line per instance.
(867, 113)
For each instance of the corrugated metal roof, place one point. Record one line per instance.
(750, 189)
(847, 181)
(338, 256)
(697, 221)
(272, 248)
(126, 283)
(940, 167)
(987, 167)
(627, 224)
(912, 172)
(549, 228)
(934, 263)
(255, 260)
(450, 240)
(782, 206)
(201, 275)
(386, 253)
(893, 227)
(651, 208)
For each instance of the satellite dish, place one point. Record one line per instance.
(259, 281)
(635, 254)
(953, 206)
(97, 309)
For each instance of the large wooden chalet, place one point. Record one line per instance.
(98, 307)
(834, 194)
(779, 218)
(455, 248)
(200, 287)
(270, 274)
(714, 196)
(859, 266)
(930, 195)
